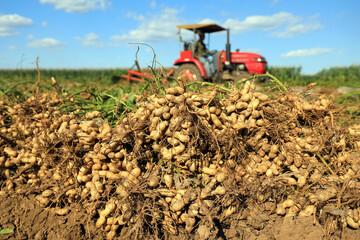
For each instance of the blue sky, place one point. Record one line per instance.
(314, 34)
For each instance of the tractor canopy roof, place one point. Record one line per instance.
(205, 28)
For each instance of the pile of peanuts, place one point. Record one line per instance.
(186, 154)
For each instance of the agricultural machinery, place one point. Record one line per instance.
(226, 65)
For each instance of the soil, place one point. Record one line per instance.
(29, 220)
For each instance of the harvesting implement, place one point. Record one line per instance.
(139, 75)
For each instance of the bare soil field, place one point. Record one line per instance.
(184, 165)
(31, 221)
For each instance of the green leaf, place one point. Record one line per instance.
(6, 231)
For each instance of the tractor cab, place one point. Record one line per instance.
(227, 65)
(204, 28)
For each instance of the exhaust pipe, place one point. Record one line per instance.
(228, 52)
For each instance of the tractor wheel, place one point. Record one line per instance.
(188, 73)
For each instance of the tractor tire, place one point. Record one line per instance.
(188, 73)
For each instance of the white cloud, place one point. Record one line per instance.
(162, 27)
(284, 24)
(273, 2)
(208, 20)
(44, 24)
(307, 52)
(340, 52)
(91, 39)
(9, 22)
(12, 47)
(153, 4)
(154, 28)
(135, 16)
(297, 30)
(224, 13)
(81, 6)
(261, 23)
(48, 43)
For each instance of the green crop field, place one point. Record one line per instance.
(332, 77)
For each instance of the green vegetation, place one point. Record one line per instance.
(105, 78)
(332, 77)
(328, 80)
(84, 90)
(79, 77)
(5, 231)
(287, 74)
(102, 90)
(106, 92)
(343, 76)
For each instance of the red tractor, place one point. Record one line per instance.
(227, 65)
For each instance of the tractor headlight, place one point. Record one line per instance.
(241, 67)
(259, 59)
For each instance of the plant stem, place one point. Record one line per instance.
(272, 78)
(324, 162)
(211, 84)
